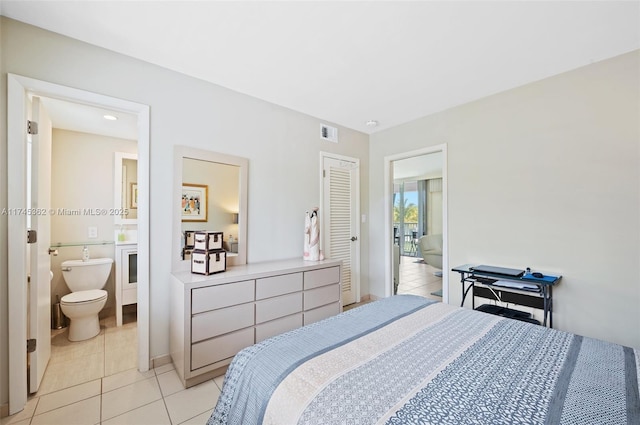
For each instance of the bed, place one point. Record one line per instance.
(410, 360)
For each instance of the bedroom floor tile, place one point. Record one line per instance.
(68, 396)
(122, 400)
(199, 420)
(151, 414)
(170, 383)
(192, 402)
(219, 381)
(122, 379)
(86, 412)
(123, 395)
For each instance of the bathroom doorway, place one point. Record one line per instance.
(20, 89)
(86, 148)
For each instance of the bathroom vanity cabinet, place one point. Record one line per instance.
(213, 317)
(126, 277)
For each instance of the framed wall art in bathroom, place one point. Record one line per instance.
(194, 202)
(133, 196)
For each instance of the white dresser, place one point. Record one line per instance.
(213, 317)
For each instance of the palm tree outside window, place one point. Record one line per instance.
(406, 216)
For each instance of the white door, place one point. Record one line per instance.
(341, 208)
(39, 220)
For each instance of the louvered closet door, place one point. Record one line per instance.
(341, 209)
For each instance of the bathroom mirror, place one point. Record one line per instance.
(210, 193)
(125, 187)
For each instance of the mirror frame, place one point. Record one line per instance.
(117, 186)
(182, 152)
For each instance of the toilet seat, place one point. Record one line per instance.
(84, 297)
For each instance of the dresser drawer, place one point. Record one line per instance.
(278, 307)
(223, 347)
(278, 285)
(278, 326)
(321, 313)
(221, 321)
(321, 296)
(321, 277)
(213, 297)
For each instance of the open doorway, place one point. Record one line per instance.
(87, 168)
(20, 92)
(416, 188)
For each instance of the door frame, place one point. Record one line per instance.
(388, 216)
(355, 269)
(17, 89)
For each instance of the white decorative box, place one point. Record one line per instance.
(189, 238)
(186, 253)
(207, 240)
(208, 262)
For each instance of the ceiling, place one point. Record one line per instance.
(89, 119)
(353, 61)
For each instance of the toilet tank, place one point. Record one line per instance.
(84, 275)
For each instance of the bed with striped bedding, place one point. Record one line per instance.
(409, 360)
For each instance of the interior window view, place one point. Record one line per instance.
(417, 226)
(320, 213)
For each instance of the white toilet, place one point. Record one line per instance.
(85, 279)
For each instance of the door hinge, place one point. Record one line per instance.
(32, 236)
(32, 127)
(324, 174)
(31, 345)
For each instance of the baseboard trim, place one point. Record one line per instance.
(4, 410)
(160, 361)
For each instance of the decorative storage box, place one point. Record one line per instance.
(207, 240)
(208, 262)
(186, 253)
(189, 238)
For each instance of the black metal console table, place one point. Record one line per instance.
(523, 288)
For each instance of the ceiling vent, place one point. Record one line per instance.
(329, 133)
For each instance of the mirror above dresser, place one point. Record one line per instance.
(209, 193)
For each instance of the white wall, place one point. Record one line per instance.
(547, 176)
(282, 146)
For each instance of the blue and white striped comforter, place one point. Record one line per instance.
(409, 360)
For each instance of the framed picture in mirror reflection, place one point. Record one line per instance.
(133, 196)
(194, 202)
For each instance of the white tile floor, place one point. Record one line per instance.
(106, 388)
(417, 277)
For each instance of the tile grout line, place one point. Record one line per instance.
(35, 409)
(164, 401)
(101, 393)
(104, 371)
